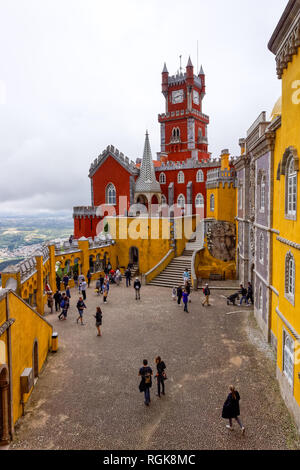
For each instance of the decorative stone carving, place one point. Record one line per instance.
(221, 238)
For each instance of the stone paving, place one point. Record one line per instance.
(87, 396)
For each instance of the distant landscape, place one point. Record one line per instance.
(20, 235)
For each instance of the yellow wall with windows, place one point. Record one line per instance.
(287, 135)
(225, 203)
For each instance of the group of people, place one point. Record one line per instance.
(246, 295)
(146, 374)
(183, 292)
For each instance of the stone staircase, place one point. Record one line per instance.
(172, 276)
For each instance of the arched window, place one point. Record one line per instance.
(162, 178)
(200, 177)
(290, 274)
(291, 189)
(110, 195)
(263, 193)
(212, 203)
(163, 200)
(181, 200)
(288, 358)
(180, 178)
(261, 248)
(199, 201)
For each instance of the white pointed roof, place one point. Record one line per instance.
(146, 181)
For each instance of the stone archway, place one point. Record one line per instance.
(133, 255)
(4, 405)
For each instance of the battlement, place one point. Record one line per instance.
(217, 176)
(114, 152)
(84, 211)
(180, 78)
(189, 164)
(182, 112)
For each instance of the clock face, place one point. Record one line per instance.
(196, 97)
(177, 96)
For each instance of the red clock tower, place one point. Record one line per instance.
(183, 125)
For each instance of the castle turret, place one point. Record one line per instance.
(202, 78)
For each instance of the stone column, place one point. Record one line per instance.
(52, 274)
(5, 432)
(40, 285)
(83, 245)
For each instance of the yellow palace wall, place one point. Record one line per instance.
(286, 136)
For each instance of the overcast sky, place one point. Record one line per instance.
(78, 75)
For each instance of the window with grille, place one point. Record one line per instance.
(199, 201)
(162, 178)
(110, 195)
(200, 177)
(212, 203)
(288, 358)
(291, 189)
(181, 200)
(180, 178)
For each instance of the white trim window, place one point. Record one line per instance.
(288, 358)
(181, 201)
(212, 202)
(290, 277)
(110, 195)
(261, 248)
(162, 178)
(163, 200)
(180, 178)
(291, 189)
(199, 201)
(200, 176)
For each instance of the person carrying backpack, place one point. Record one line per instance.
(62, 306)
(206, 292)
(146, 383)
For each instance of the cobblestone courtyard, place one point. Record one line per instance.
(87, 397)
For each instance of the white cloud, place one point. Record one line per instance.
(82, 74)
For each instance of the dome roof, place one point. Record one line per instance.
(277, 109)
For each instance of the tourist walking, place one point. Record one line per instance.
(250, 293)
(188, 290)
(101, 279)
(137, 287)
(186, 276)
(174, 293)
(80, 307)
(66, 307)
(62, 306)
(118, 277)
(231, 409)
(50, 301)
(98, 317)
(105, 291)
(206, 292)
(57, 299)
(68, 292)
(128, 277)
(185, 299)
(81, 278)
(179, 294)
(160, 376)
(98, 287)
(243, 293)
(89, 277)
(75, 277)
(146, 383)
(57, 282)
(83, 289)
(66, 281)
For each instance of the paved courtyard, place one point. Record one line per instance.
(87, 396)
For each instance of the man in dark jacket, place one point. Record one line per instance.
(179, 294)
(137, 287)
(57, 298)
(146, 383)
(206, 292)
(250, 293)
(243, 293)
(128, 277)
(80, 307)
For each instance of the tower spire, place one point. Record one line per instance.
(146, 181)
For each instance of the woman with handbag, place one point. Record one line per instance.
(160, 376)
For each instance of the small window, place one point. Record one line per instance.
(162, 178)
(212, 203)
(261, 248)
(200, 177)
(288, 358)
(163, 200)
(180, 178)
(290, 274)
(181, 201)
(110, 195)
(262, 193)
(199, 201)
(291, 189)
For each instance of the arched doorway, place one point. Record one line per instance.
(35, 360)
(134, 255)
(4, 405)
